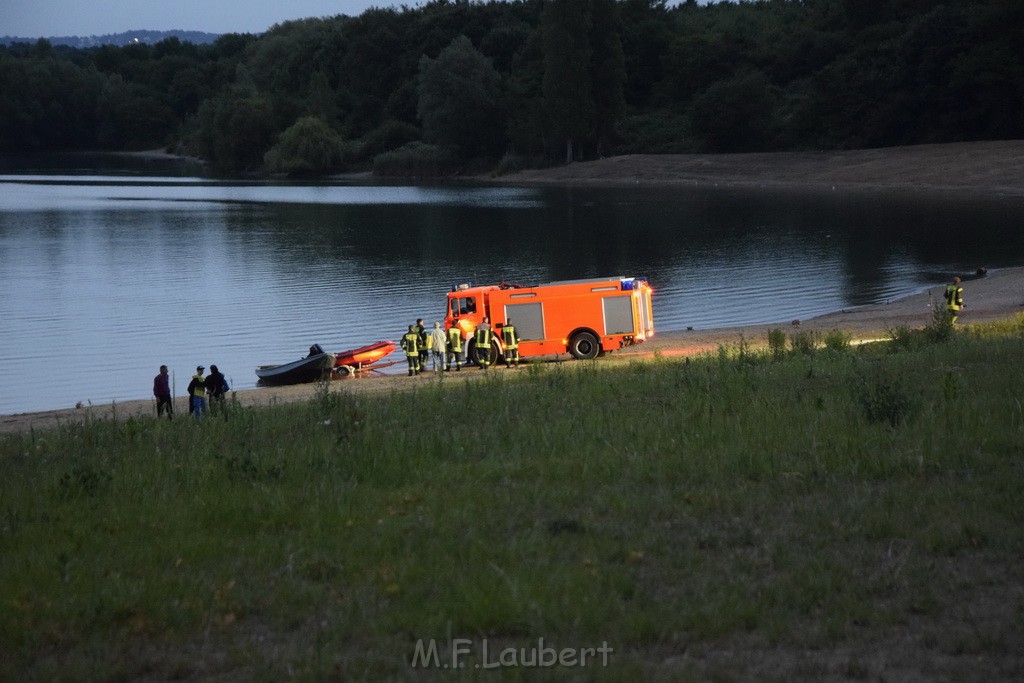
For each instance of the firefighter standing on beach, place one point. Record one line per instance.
(411, 344)
(511, 339)
(423, 347)
(482, 337)
(454, 346)
(954, 297)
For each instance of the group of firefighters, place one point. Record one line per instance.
(448, 347)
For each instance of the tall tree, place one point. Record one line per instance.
(458, 99)
(607, 72)
(568, 95)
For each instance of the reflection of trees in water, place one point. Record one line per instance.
(576, 233)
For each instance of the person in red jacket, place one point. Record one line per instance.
(162, 391)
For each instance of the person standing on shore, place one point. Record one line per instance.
(424, 349)
(954, 299)
(438, 346)
(197, 393)
(216, 387)
(511, 339)
(482, 338)
(411, 344)
(162, 391)
(455, 346)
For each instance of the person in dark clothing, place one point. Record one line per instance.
(411, 345)
(482, 337)
(424, 349)
(510, 336)
(216, 387)
(162, 391)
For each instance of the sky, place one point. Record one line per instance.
(55, 18)
(39, 18)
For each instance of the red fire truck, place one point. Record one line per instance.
(585, 318)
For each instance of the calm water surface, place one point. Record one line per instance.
(104, 278)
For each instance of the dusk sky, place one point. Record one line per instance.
(35, 18)
(38, 18)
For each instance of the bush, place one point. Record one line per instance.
(389, 135)
(308, 147)
(416, 159)
(902, 338)
(735, 115)
(837, 340)
(512, 163)
(655, 132)
(886, 401)
(804, 342)
(777, 344)
(940, 329)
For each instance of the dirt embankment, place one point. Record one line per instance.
(989, 168)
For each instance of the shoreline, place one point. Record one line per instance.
(986, 169)
(991, 168)
(998, 295)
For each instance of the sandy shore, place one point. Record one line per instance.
(999, 295)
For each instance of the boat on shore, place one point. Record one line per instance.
(364, 355)
(316, 366)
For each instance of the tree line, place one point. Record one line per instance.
(456, 85)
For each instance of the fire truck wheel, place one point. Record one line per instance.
(496, 355)
(584, 346)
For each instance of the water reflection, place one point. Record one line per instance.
(112, 279)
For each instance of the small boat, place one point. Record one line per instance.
(364, 355)
(317, 365)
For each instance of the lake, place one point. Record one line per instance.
(106, 277)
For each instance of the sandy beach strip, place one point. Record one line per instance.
(998, 295)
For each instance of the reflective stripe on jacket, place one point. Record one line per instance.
(509, 336)
(954, 297)
(483, 336)
(411, 343)
(455, 339)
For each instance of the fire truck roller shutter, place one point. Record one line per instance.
(618, 314)
(528, 319)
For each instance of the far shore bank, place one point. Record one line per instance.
(987, 168)
(998, 295)
(992, 168)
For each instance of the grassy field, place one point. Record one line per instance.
(808, 510)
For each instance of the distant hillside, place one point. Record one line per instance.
(126, 38)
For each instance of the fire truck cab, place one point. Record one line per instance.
(585, 318)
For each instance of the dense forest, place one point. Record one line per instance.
(456, 85)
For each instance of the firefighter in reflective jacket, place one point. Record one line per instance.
(411, 344)
(511, 339)
(424, 347)
(954, 299)
(454, 347)
(482, 336)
